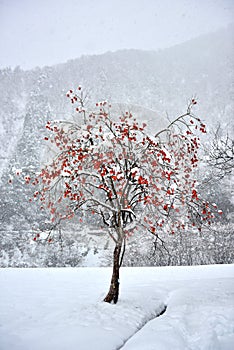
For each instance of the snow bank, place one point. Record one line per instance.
(62, 309)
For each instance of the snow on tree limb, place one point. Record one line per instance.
(116, 169)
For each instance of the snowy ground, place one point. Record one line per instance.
(62, 309)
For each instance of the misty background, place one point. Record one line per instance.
(150, 57)
(46, 32)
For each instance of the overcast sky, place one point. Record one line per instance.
(45, 32)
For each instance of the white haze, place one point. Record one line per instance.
(45, 32)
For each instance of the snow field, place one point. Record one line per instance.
(60, 309)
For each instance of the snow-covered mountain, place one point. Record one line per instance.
(161, 81)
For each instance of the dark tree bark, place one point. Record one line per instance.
(113, 294)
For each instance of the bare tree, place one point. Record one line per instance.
(221, 153)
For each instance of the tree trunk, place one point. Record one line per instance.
(113, 294)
